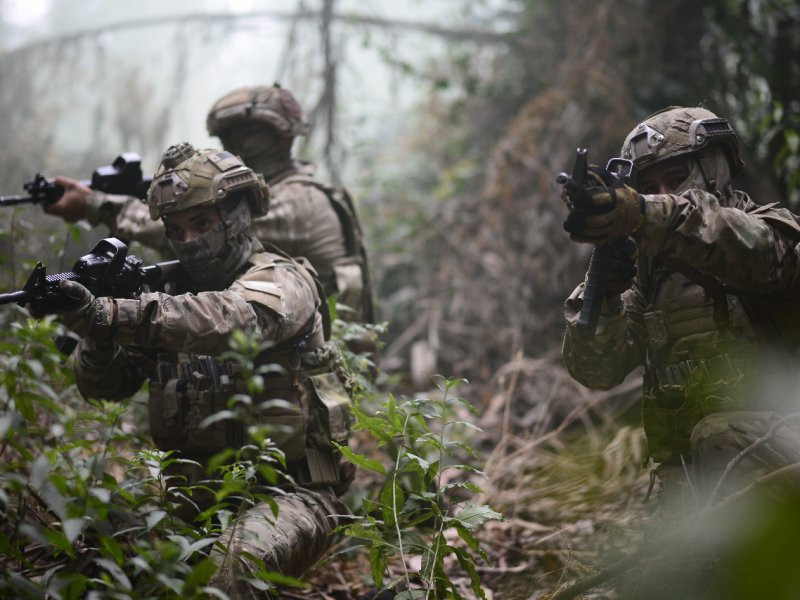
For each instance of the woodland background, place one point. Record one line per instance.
(448, 121)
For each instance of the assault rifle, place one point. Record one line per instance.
(108, 270)
(123, 176)
(579, 188)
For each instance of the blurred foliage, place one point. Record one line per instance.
(88, 506)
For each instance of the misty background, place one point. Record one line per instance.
(447, 120)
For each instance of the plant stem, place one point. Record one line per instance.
(394, 508)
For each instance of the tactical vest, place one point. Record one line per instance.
(303, 400)
(352, 271)
(681, 391)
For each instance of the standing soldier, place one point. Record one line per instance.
(206, 200)
(703, 308)
(307, 218)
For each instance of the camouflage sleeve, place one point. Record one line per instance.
(127, 218)
(617, 347)
(107, 370)
(744, 250)
(276, 308)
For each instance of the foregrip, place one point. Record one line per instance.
(594, 291)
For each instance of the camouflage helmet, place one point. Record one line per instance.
(272, 105)
(188, 177)
(677, 131)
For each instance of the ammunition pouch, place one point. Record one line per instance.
(350, 287)
(678, 396)
(314, 409)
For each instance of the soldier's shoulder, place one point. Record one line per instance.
(268, 280)
(775, 215)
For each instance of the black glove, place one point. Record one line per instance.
(79, 310)
(609, 209)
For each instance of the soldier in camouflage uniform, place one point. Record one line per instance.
(206, 200)
(306, 218)
(702, 309)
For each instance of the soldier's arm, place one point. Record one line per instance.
(276, 308)
(127, 218)
(746, 250)
(617, 346)
(108, 370)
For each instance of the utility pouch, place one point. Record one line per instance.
(655, 323)
(287, 423)
(330, 420)
(166, 407)
(683, 395)
(330, 415)
(350, 286)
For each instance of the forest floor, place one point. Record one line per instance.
(572, 496)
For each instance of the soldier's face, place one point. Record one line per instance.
(188, 225)
(663, 178)
(249, 139)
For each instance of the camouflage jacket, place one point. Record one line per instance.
(304, 219)
(689, 316)
(175, 341)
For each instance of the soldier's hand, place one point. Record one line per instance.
(610, 210)
(72, 205)
(622, 268)
(85, 314)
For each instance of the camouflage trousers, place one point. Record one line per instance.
(288, 543)
(729, 451)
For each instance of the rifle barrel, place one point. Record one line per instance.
(11, 200)
(158, 272)
(20, 296)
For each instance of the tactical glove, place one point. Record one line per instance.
(87, 316)
(610, 210)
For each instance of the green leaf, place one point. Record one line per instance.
(58, 540)
(101, 494)
(73, 528)
(115, 572)
(195, 546)
(361, 460)
(411, 595)
(392, 499)
(472, 515)
(472, 542)
(199, 575)
(154, 518)
(377, 565)
(423, 464)
(39, 470)
(466, 562)
(113, 549)
(6, 421)
(218, 416)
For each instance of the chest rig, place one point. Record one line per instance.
(698, 341)
(303, 402)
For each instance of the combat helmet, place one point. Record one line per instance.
(685, 131)
(189, 178)
(272, 105)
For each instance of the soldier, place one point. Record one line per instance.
(702, 309)
(206, 200)
(307, 218)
